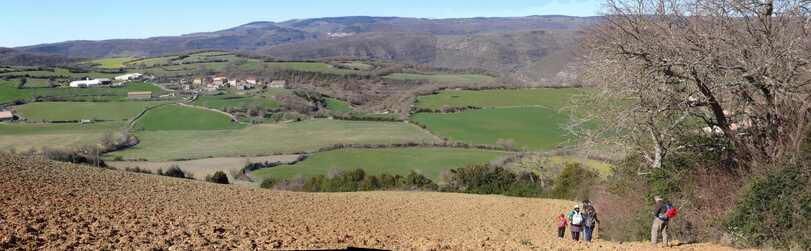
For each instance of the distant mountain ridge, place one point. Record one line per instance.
(9, 56)
(534, 48)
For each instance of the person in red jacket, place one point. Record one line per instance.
(562, 222)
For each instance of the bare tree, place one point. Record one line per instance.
(733, 69)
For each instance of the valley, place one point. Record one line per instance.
(267, 108)
(438, 125)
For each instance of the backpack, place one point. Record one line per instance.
(577, 218)
(670, 211)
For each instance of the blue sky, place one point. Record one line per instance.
(27, 22)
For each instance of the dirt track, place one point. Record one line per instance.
(47, 205)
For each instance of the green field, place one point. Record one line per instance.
(221, 102)
(533, 127)
(36, 83)
(268, 139)
(357, 65)
(112, 62)
(311, 66)
(72, 111)
(9, 92)
(428, 161)
(337, 105)
(149, 62)
(59, 73)
(553, 98)
(174, 117)
(23, 137)
(443, 78)
(204, 56)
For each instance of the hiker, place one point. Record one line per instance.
(576, 222)
(562, 222)
(590, 220)
(662, 213)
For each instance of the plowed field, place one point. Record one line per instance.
(55, 206)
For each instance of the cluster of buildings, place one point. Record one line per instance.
(96, 82)
(215, 83)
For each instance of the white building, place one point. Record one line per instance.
(130, 76)
(6, 116)
(85, 83)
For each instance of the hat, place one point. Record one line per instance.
(657, 198)
(576, 206)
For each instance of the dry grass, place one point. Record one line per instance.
(202, 167)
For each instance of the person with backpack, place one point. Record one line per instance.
(662, 213)
(562, 222)
(576, 222)
(590, 221)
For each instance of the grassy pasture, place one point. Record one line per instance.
(174, 117)
(220, 102)
(59, 73)
(312, 67)
(184, 69)
(428, 161)
(536, 128)
(112, 63)
(23, 137)
(9, 92)
(356, 65)
(203, 56)
(553, 98)
(268, 139)
(36, 83)
(337, 105)
(443, 78)
(70, 111)
(149, 62)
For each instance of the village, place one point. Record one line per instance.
(221, 82)
(191, 87)
(211, 83)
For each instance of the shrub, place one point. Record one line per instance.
(370, 183)
(357, 180)
(487, 179)
(775, 211)
(87, 155)
(574, 182)
(174, 171)
(416, 181)
(268, 183)
(218, 177)
(137, 170)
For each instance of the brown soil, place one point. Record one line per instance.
(55, 206)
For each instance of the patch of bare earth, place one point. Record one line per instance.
(49, 205)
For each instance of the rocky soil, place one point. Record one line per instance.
(55, 206)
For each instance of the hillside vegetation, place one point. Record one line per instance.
(527, 49)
